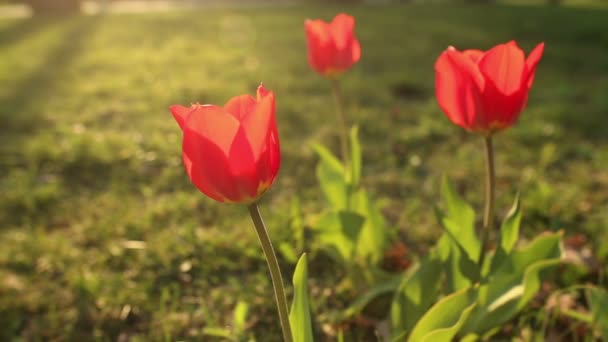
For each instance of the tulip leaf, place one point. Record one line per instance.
(331, 176)
(598, 299)
(327, 157)
(382, 288)
(443, 321)
(355, 156)
(459, 220)
(416, 294)
(514, 283)
(299, 316)
(459, 269)
(509, 230)
(373, 238)
(340, 231)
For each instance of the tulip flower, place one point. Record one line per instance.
(231, 153)
(332, 47)
(485, 92)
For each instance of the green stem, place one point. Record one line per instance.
(488, 214)
(335, 86)
(275, 271)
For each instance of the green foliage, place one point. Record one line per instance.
(332, 178)
(340, 232)
(509, 230)
(381, 288)
(373, 238)
(598, 300)
(511, 278)
(459, 247)
(459, 221)
(515, 281)
(299, 316)
(417, 292)
(353, 227)
(355, 155)
(444, 320)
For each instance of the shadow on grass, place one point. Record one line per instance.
(20, 30)
(23, 110)
(24, 102)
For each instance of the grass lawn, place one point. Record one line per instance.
(102, 236)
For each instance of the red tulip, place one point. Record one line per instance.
(485, 92)
(332, 47)
(231, 154)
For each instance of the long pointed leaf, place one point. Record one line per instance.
(459, 220)
(443, 321)
(509, 230)
(299, 316)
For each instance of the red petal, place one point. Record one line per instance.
(532, 62)
(504, 66)
(180, 113)
(342, 28)
(191, 148)
(457, 85)
(321, 47)
(209, 134)
(240, 106)
(474, 55)
(259, 124)
(348, 48)
(243, 168)
(215, 124)
(269, 161)
(356, 51)
(261, 92)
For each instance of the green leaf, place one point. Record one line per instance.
(416, 294)
(514, 283)
(598, 299)
(331, 176)
(299, 316)
(373, 237)
(459, 221)
(443, 321)
(460, 270)
(368, 296)
(509, 230)
(355, 155)
(340, 231)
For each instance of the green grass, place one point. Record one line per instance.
(91, 156)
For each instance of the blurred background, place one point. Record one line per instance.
(102, 236)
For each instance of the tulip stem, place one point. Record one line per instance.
(275, 271)
(489, 208)
(337, 90)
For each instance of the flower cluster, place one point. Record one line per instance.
(232, 153)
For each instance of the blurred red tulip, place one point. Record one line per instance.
(485, 92)
(231, 154)
(332, 47)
